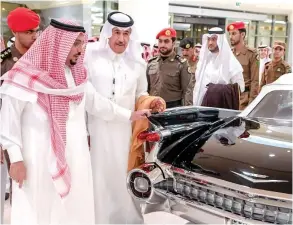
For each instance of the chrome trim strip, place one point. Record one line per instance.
(233, 186)
(210, 209)
(257, 180)
(239, 195)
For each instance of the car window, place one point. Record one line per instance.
(276, 104)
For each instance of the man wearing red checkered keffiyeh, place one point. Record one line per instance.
(44, 98)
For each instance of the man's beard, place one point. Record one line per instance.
(166, 53)
(214, 50)
(72, 63)
(235, 42)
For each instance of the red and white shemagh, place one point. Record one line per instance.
(41, 71)
(146, 55)
(155, 51)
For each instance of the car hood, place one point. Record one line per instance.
(256, 154)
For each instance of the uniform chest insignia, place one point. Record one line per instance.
(171, 60)
(15, 59)
(279, 69)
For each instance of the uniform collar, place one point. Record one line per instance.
(171, 57)
(243, 50)
(277, 62)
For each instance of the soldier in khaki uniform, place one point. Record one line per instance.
(188, 51)
(24, 24)
(249, 59)
(277, 67)
(9, 56)
(168, 74)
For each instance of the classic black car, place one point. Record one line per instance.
(209, 168)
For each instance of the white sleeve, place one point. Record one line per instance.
(238, 78)
(142, 83)
(99, 106)
(11, 138)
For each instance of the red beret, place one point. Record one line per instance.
(22, 19)
(169, 32)
(236, 26)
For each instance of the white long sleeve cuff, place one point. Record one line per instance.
(14, 153)
(123, 114)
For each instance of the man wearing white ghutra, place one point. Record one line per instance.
(217, 65)
(118, 72)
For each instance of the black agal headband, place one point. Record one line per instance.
(119, 23)
(66, 27)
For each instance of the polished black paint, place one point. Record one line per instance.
(257, 146)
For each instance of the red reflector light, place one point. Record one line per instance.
(143, 135)
(149, 136)
(153, 137)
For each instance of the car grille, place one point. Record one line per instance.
(254, 207)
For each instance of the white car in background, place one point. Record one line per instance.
(273, 101)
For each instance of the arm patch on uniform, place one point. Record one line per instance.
(6, 53)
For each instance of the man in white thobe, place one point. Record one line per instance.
(43, 129)
(117, 72)
(264, 55)
(217, 64)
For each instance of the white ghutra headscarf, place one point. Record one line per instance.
(122, 21)
(225, 63)
(264, 60)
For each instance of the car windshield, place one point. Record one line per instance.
(276, 104)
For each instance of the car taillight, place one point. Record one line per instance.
(143, 135)
(153, 137)
(149, 136)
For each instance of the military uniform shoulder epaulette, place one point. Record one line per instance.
(152, 59)
(180, 59)
(6, 53)
(287, 66)
(252, 49)
(285, 63)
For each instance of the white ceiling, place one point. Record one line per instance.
(262, 6)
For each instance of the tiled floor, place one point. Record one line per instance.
(152, 218)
